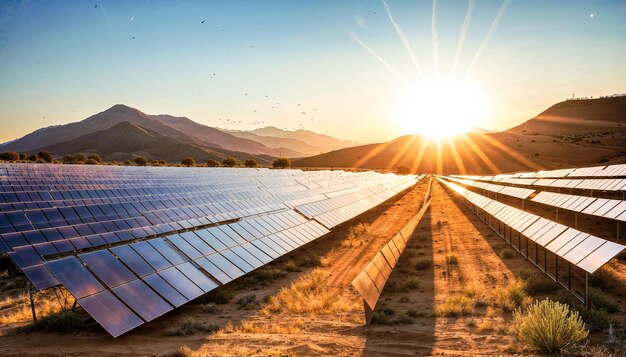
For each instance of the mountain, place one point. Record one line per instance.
(116, 114)
(223, 139)
(304, 141)
(577, 117)
(125, 141)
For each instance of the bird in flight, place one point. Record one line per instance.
(203, 21)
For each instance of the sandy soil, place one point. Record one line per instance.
(447, 228)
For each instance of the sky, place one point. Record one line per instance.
(343, 68)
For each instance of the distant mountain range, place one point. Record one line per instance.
(122, 132)
(570, 133)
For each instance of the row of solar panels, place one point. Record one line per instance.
(581, 249)
(136, 257)
(595, 171)
(600, 207)
(517, 192)
(371, 281)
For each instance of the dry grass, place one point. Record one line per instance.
(262, 328)
(230, 351)
(188, 326)
(45, 305)
(510, 298)
(356, 234)
(456, 306)
(12, 301)
(310, 294)
(486, 325)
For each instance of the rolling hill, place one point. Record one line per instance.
(125, 141)
(541, 142)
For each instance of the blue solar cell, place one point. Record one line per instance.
(45, 249)
(3, 246)
(74, 276)
(151, 255)
(184, 246)
(168, 252)
(210, 268)
(211, 240)
(181, 283)
(133, 260)
(225, 265)
(40, 276)
(25, 256)
(142, 300)
(34, 237)
(110, 313)
(197, 276)
(63, 246)
(110, 270)
(96, 240)
(13, 240)
(164, 289)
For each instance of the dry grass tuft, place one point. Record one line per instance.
(456, 306)
(46, 304)
(310, 294)
(510, 298)
(356, 234)
(262, 328)
(188, 326)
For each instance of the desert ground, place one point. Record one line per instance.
(447, 296)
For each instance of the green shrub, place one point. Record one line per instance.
(382, 317)
(247, 302)
(412, 283)
(536, 283)
(602, 301)
(218, 296)
(62, 321)
(595, 320)
(549, 325)
(291, 266)
(423, 264)
(507, 254)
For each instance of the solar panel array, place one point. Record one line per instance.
(581, 249)
(517, 192)
(600, 207)
(371, 280)
(132, 243)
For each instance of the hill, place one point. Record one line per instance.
(578, 116)
(126, 140)
(316, 142)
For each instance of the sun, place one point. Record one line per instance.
(440, 108)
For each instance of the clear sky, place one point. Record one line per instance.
(253, 62)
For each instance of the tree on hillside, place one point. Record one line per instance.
(251, 163)
(9, 156)
(281, 163)
(403, 170)
(188, 161)
(212, 163)
(69, 159)
(141, 161)
(23, 157)
(45, 156)
(94, 157)
(91, 162)
(32, 158)
(80, 158)
(230, 162)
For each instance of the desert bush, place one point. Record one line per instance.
(218, 296)
(212, 163)
(412, 283)
(452, 260)
(182, 351)
(62, 321)
(91, 162)
(45, 156)
(536, 283)
(250, 163)
(247, 302)
(510, 297)
(404, 319)
(423, 264)
(595, 320)
(263, 328)
(549, 325)
(9, 156)
(311, 260)
(230, 162)
(507, 254)
(486, 325)
(601, 301)
(188, 326)
(188, 161)
(281, 163)
(602, 278)
(211, 308)
(311, 294)
(412, 313)
(380, 318)
(263, 275)
(291, 266)
(403, 170)
(94, 157)
(456, 306)
(140, 160)
(404, 299)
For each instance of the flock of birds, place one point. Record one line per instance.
(231, 122)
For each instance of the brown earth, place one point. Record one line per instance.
(448, 228)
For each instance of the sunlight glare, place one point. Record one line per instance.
(440, 108)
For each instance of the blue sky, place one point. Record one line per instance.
(61, 61)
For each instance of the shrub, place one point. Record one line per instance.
(507, 254)
(211, 308)
(602, 301)
(404, 299)
(263, 275)
(423, 264)
(188, 161)
(94, 157)
(311, 260)
(218, 296)
(595, 320)
(536, 283)
(45, 156)
(291, 266)
(32, 157)
(549, 325)
(61, 321)
(247, 302)
(182, 351)
(212, 163)
(188, 326)
(127, 163)
(452, 259)
(91, 162)
(251, 163)
(403, 170)
(9, 156)
(230, 162)
(140, 160)
(80, 158)
(509, 298)
(412, 313)
(456, 306)
(69, 159)
(380, 318)
(281, 163)
(412, 283)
